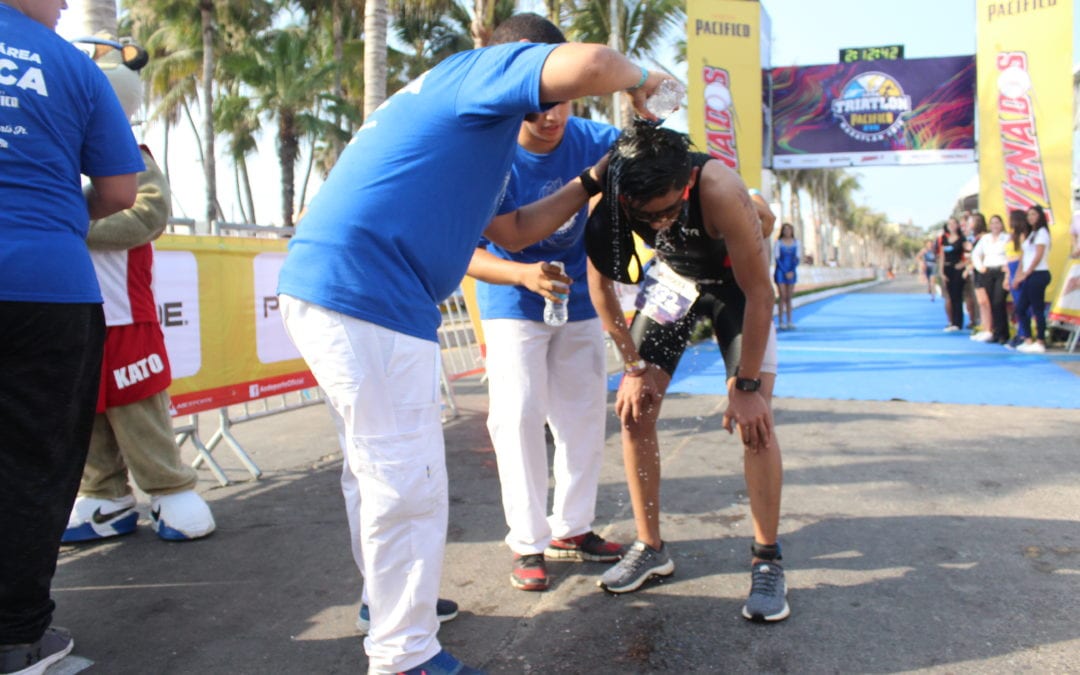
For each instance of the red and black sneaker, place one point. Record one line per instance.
(530, 573)
(585, 547)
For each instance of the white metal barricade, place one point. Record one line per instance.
(461, 353)
(227, 417)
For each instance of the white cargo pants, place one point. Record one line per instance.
(383, 389)
(539, 373)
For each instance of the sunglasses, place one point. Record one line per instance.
(666, 215)
(133, 56)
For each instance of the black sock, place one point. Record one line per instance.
(766, 551)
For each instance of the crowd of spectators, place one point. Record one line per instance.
(998, 275)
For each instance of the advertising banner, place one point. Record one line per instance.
(724, 92)
(1026, 114)
(917, 111)
(218, 307)
(1066, 306)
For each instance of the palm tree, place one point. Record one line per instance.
(286, 84)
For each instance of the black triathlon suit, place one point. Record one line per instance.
(691, 253)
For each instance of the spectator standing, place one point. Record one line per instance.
(989, 259)
(982, 300)
(389, 236)
(928, 266)
(1018, 231)
(786, 254)
(967, 228)
(59, 119)
(952, 266)
(1033, 276)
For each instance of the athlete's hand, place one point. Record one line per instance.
(636, 393)
(546, 280)
(749, 411)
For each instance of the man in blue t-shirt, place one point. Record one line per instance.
(387, 238)
(539, 373)
(59, 119)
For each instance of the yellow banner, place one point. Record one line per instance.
(723, 53)
(1024, 64)
(218, 308)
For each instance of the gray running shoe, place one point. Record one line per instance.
(768, 593)
(640, 563)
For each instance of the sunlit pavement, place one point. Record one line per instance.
(923, 537)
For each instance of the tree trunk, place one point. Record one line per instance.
(99, 16)
(615, 42)
(483, 18)
(287, 148)
(338, 32)
(374, 55)
(206, 9)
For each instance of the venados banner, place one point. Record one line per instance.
(918, 111)
(218, 307)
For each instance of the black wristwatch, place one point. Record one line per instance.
(592, 188)
(747, 384)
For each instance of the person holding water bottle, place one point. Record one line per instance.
(545, 353)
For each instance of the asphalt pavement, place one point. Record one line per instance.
(917, 537)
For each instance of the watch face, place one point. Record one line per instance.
(746, 384)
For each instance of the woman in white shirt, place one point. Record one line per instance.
(1033, 277)
(989, 260)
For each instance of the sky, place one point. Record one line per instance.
(804, 32)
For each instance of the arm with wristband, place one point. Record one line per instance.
(638, 388)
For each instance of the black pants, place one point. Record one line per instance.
(664, 344)
(50, 365)
(993, 283)
(954, 285)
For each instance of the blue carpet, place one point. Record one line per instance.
(880, 347)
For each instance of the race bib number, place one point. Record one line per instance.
(665, 297)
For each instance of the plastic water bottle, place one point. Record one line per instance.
(666, 99)
(555, 312)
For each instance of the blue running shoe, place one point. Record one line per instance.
(92, 519)
(442, 663)
(445, 610)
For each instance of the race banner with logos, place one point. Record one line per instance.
(1066, 305)
(1026, 114)
(915, 111)
(218, 307)
(724, 87)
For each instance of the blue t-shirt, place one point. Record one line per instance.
(534, 177)
(59, 118)
(394, 226)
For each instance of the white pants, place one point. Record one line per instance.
(383, 389)
(539, 373)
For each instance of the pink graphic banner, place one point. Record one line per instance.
(917, 111)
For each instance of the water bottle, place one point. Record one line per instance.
(555, 312)
(666, 99)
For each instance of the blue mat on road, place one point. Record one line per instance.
(881, 347)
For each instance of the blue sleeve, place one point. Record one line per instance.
(109, 147)
(503, 80)
(509, 203)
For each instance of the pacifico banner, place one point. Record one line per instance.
(1025, 57)
(916, 111)
(724, 92)
(218, 307)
